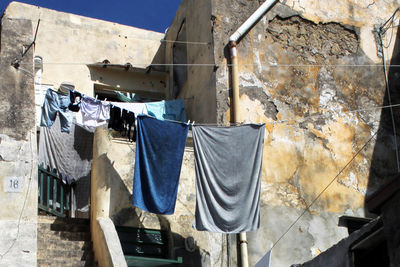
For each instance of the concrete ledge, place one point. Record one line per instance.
(106, 245)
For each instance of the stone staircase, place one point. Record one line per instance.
(64, 242)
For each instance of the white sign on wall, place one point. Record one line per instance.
(13, 184)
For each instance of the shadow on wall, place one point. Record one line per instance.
(227, 56)
(120, 197)
(179, 57)
(123, 213)
(192, 255)
(384, 162)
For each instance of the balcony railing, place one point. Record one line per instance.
(54, 196)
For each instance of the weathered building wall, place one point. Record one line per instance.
(112, 181)
(297, 75)
(195, 82)
(18, 164)
(68, 42)
(303, 69)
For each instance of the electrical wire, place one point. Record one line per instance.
(266, 64)
(385, 27)
(389, 95)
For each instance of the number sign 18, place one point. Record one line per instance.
(13, 184)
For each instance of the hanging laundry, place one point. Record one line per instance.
(93, 113)
(228, 170)
(123, 122)
(71, 155)
(124, 98)
(115, 121)
(128, 119)
(40, 94)
(265, 261)
(159, 152)
(137, 108)
(170, 110)
(54, 103)
(75, 98)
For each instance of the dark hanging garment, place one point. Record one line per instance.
(129, 125)
(159, 151)
(123, 121)
(75, 98)
(228, 172)
(115, 121)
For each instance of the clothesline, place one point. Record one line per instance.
(274, 65)
(226, 124)
(279, 121)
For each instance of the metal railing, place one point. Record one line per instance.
(54, 196)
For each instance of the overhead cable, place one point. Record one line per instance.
(314, 116)
(224, 64)
(380, 34)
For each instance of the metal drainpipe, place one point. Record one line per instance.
(247, 25)
(235, 82)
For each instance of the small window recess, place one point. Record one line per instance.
(108, 94)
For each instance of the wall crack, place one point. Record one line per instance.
(369, 5)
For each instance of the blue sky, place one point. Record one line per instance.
(155, 15)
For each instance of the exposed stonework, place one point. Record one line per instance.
(315, 43)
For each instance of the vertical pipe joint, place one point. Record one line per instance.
(243, 249)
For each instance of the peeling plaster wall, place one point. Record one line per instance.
(297, 75)
(18, 160)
